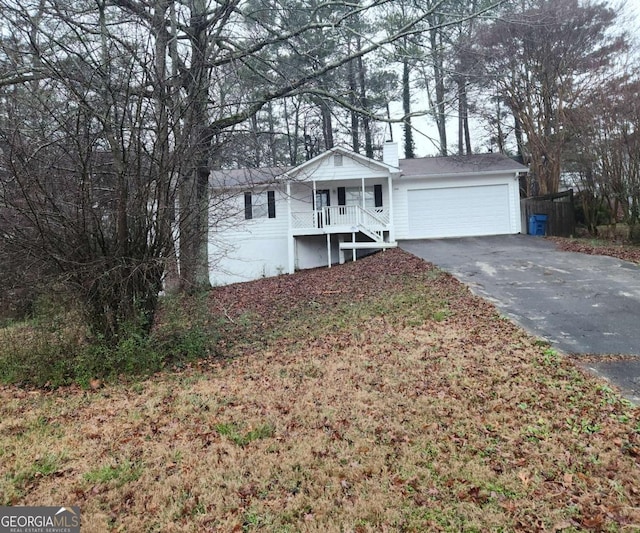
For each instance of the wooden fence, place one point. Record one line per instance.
(559, 209)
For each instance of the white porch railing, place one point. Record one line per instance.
(374, 219)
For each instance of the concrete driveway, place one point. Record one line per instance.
(582, 304)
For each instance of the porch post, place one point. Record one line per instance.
(313, 206)
(291, 240)
(363, 202)
(328, 248)
(392, 226)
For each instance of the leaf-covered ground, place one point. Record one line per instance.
(626, 252)
(379, 395)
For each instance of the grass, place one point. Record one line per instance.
(397, 402)
(121, 473)
(55, 349)
(234, 433)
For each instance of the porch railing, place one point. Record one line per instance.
(342, 215)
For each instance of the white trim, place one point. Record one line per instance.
(357, 157)
(329, 250)
(291, 243)
(367, 246)
(454, 175)
(392, 224)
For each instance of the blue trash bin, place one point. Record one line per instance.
(538, 225)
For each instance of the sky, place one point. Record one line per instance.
(425, 132)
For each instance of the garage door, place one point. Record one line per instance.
(459, 211)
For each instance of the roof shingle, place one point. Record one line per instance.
(466, 164)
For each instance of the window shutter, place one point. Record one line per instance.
(342, 196)
(271, 204)
(247, 206)
(377, 195)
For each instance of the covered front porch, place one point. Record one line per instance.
(373, 222)
(341, 206)
(338, 219)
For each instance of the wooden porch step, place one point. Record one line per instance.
(367, 245)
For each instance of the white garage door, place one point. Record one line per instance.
(459, 211)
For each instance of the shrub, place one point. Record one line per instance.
(55, 347)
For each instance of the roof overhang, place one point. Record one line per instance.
(366, 161)
(469, 174)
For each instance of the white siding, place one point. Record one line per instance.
(243, 250)
(456, 207)
(311, 251)
(325, 170)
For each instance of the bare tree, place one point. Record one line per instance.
(543, 60)
(604, 154)
(112, 112)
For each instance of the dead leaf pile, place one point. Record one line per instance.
(626, 252)
(379, 395)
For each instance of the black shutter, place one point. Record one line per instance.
(271, 204)
(377, 195)
(248, 215)
(342, 196)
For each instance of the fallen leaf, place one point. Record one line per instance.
(565, 524)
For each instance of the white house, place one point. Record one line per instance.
(323, 211)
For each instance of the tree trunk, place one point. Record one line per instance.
(353, 100)
(438, 77)
(164, 197)
(464, 135)
(409, 148)
(364, 104)
(327, 124)
(194, 201)
(460, 118)
(273, 151)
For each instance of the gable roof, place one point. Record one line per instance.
(419, 167)
(346, 152)
(456, 164)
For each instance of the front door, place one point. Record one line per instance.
(322, 200)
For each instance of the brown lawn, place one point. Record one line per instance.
(379, 395)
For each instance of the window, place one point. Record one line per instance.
(323, 199)
(259, 205)
(353, 196)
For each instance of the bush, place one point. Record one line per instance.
(55, 347)
(32, 354)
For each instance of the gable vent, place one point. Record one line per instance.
(337, 160)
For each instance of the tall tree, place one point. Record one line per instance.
(126, 104)
(437, 49)
(604, 153)
(541, 60)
